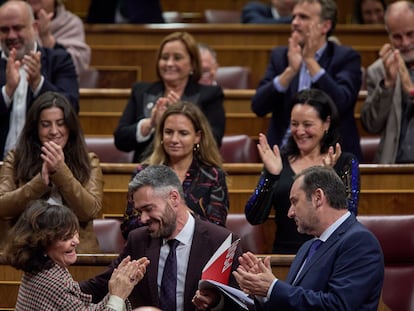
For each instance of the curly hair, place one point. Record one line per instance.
(39, 227)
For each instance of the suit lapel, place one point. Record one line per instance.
(153, 254)
(199, 255)
(332, 240)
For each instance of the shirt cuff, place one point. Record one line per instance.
(278, 86)
(7, 99)
(317, 76)
(269, 292)
(39, 87)
(139, 136)
(116, 303)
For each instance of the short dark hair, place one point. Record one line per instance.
(38, 227)
(329, 12)
(326, 179)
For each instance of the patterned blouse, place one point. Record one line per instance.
(54, 289)
(273, 191)
(205, 191)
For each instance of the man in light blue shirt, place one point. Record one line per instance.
(346, 272)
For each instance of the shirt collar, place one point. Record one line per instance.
(328, 232)
(319, 52)
(185, 236)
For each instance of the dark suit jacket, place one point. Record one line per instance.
(346, 273)
(143, 97)
(207, 239)
(259, 13)
(59, 75)
(341, 82)
(137, 11)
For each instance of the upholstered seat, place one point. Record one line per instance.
(252, 238)
(105, 149)
(222, 16)
(108, 233)
(396, 236)
(234, 77)
(369, 146)
(239, 149)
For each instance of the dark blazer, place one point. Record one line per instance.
(346, 273)
(143, 97)
(59, 75)
(260, 13)
(137, 11)
(341, 82)
(206, 240)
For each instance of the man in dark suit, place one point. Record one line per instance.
(278, 12)
(159, 199)
(311, 60)
(346, 269)
(26, 71)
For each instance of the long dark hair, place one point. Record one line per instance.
(27, 158)
(38, 227)
(326, 108)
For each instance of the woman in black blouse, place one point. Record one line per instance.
(178, 70)
(314, 140)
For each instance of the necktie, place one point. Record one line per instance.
(314, 247)
(168, 297)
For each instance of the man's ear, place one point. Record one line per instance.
(326, 26)
(318, 197)
(175, 197)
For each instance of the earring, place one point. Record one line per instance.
(161, 142)
(196, 147)
(191, 73)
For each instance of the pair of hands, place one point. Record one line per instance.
(158, 110)
(302, 47)
(394, 65)
(273, 162)
(126, 276)
(53, 157)
(254, 275)
(31, 64)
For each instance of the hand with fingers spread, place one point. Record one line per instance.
(126, 276)
(332, 156)
(271, 158)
